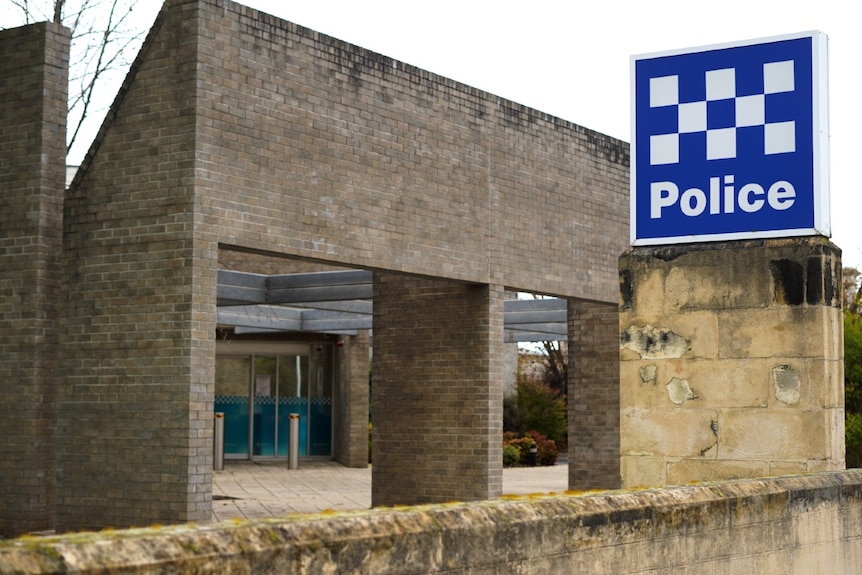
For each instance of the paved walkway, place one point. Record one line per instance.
(255, 490)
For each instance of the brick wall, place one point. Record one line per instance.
(236, 131)
(138, 347)
(437, 391)
(32, 152)
(350, 441)
(311, 147)
(594, 396)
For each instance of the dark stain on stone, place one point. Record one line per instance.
(627, 291)
(813, 281)
(649, 344)
(594, 520)
(788, 281)
(652, 342)
(630, 515)
(830, 285)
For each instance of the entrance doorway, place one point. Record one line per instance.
(259, 384)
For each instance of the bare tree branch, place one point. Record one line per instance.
(58, 11)
(105, 38)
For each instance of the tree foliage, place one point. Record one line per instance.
(556, 375)
(106, 35)
(853, 362)
(852, 295)
(535, 407)
(851, 290)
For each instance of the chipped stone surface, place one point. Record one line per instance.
(648, 374)
(653, 343)
(787, 386)
(764, 358)
(679, 391)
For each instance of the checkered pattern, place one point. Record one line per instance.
(748, 111)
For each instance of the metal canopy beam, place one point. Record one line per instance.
(339, 302)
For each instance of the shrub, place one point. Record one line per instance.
(535, 406)
(511, 456)
(546, 449)
(853, 437)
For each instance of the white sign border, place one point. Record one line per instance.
(820, 125)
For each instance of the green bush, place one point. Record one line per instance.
(511, 456)
(546, 449)
(853, 438)
(853, 389)
(537, 407)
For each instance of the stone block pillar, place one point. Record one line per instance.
(437, 396)
(33, 88)
(351, 422)
(731, 361)
(593, 395)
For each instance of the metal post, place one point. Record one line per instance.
(218, 442)
(293, 449)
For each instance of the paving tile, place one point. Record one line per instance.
(253, 490)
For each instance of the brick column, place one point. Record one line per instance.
(33, 87)
(437, 391)
(731, 361)
(351, 418)
(594, 396)
(137, 354)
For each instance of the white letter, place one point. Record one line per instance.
(728, 194)
(699, 202)
(714, 196)
(745, 203)
(662, 195)
(781, 195)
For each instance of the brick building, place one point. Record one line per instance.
(241, 142)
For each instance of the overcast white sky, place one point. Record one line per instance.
(571, 59)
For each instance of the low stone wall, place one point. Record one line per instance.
(790, 525)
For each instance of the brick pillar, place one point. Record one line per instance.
(594, 397)
(731, 361)
(437, 391)
(351, 419)
(135, 422)
(33, 87)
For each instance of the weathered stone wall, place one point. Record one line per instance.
(732, 361)
(33, 87)
(803, 525)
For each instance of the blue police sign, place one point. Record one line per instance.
(730, 142)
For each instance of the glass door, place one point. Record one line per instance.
(258, 392)
(320, 401)
(265, 401)
(292, 398)
(232, 399)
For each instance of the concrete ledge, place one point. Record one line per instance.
(797, 524)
